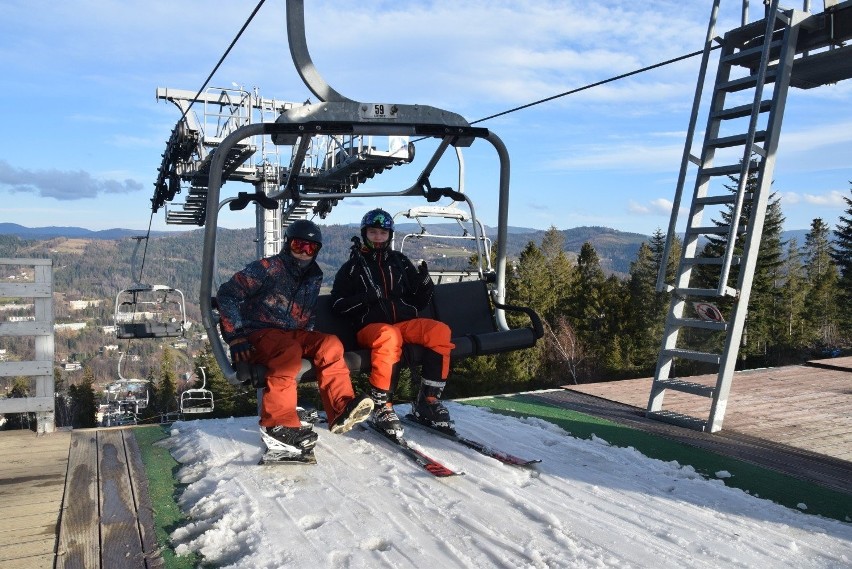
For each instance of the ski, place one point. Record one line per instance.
(479, 447)
(278, 457)
(428, 463)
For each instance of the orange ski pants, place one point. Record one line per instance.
(281, 351)
(386, 340)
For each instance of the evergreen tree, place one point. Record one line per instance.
(842, 254)
(528, 286)
(763, 319)
(84, 403)
(16, 421)
(821, 312)
(793, 294)
(61, 403)
(648, 307)
(586, 304)
(167, 386)
(765, 322)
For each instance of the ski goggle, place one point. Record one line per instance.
(306, 247)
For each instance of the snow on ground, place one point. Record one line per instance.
(588, 504)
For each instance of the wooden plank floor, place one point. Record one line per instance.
(108, 518)
(805, 406)
(32, 482)
(75, 500)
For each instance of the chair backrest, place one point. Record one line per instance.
(465, 307)
(329, 322)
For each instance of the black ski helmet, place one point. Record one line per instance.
(376, 218)
(305, 230)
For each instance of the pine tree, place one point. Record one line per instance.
(793, 294)
(764, 323)
(585, 305)
(821, 313)
(763, 319)
(647, 313)
(167, 386)
(84, 403)
(842, 254)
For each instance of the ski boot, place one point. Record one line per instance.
(288, 444)
(357, 410)
(429, 410)
(384, 417)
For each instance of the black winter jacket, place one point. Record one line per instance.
(378, 285)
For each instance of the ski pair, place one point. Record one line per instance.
(428, 463)
(480, 447)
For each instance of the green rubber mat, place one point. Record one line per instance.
(163, 488)
(763, 482)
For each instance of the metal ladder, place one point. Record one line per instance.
(745, 154)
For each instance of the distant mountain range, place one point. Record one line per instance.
(616, 249)
(70, 232)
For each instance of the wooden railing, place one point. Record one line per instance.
(40, 290)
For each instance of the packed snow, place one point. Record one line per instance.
(588, 504)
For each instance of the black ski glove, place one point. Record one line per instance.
(423, 278)
(373, 294)
(241, 350)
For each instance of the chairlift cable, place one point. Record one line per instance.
(145, 250)
(596, 84)
(222, 59)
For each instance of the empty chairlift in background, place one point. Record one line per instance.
(149, 311)
(197, 399)
(126, 398)
(449, 238)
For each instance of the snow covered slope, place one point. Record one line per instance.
(588, 504)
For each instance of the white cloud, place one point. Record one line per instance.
(831, 199)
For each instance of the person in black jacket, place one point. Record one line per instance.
(381, 292)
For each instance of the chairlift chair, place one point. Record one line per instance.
(125, 398)
(150, 311)
(303, 189)
(197, 399)
(471, 231)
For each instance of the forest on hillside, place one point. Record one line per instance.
(600, 324)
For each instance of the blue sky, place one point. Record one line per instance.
(83, 132)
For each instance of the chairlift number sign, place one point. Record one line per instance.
(379, 111)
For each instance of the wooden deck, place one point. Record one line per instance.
(794, 419)
(32, 484)
(75, 500)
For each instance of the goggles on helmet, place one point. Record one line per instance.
(305, 247)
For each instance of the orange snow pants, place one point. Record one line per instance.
(386, 340)
(281, 352)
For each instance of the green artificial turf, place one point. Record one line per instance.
(163, 489)
(763, 482)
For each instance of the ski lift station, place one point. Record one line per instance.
(295, 160)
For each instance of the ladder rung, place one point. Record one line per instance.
(722, 199)
(705, 292)
(678, 419)
(709, 261)
(703, 324)
(751, 54)
(741, 111)
(731, 170)
(712, 230)
(676, 384)
(738, 84)
(736, 140)
(693, 354)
